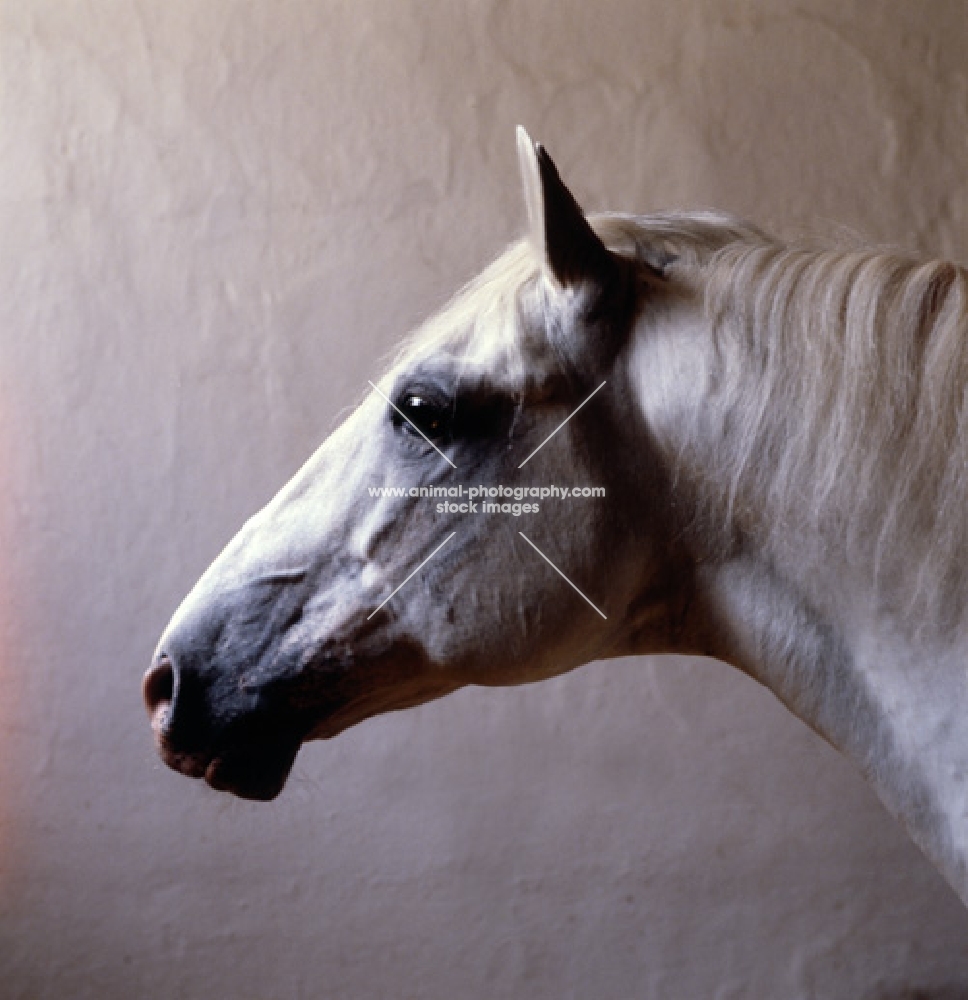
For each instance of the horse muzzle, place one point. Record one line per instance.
(250, 754)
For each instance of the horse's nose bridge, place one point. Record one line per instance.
(225, 628)
(287, 542)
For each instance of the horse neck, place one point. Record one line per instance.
(894, 702)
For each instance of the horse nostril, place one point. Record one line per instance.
(158, 687)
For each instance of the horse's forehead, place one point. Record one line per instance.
(494, 330)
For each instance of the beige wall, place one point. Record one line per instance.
(216, 218)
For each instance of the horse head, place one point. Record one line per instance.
(373, 581)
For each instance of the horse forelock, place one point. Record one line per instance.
(498, 324)
(481, 332)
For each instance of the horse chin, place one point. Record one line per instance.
(258, 774)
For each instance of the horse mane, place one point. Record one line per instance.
(838, 409)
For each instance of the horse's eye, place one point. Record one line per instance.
(427, 415)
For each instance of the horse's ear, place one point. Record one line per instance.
(558, 228)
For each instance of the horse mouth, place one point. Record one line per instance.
(258, 773)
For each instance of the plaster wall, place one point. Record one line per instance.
(216, 218)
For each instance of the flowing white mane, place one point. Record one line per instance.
(838, 404)
(841, 411)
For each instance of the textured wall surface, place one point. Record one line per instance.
(216, 218)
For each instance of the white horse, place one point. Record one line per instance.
(782, 436)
